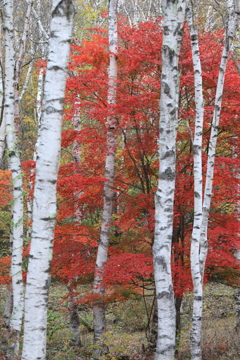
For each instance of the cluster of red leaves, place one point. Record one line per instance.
(137, 109)
(80, 186)
(5, 188)
(5, 277)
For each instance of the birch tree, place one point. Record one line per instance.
(15, 167)
(74, 320)
(44, 203)
(108, 192)
(42, 40)
(237, 299)
(3, 123)
(172, 23)
(197, 153)
(237, 254)
(2, 119)
(199, 244)
(19, 61)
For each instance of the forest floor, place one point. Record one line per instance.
(126, 337)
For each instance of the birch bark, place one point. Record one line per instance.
(199, 244)
(2, 118)
(237, 253)
(237, 300)
(39, 98)
(74, 320)
(15, 167)
(108, 193)
(173, 18)
(197, 155)
(44, 204)
(19, 61)
(230, 33)
(18, 66)
(2, 99)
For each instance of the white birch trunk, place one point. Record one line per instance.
(8, 305)
(199, 244)
(108, 193)
(23, 42)
(2, 138)
(38, 120)
(173, 18)
(37, 17)
(18, 66)
(39, 98)
(197, 153)
(44, 204)
(2, 118)
(41, 76)
(230, 33)
(18, 63)
(237, 300)
(29, 72)
(15, 167)
(74, 320)
(237, 253)
(39, 95)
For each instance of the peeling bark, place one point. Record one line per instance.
(198, 199)
(44, 203)
(74, 320)
(173, 18)
(199, 243)
(15, 167)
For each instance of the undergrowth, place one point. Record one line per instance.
(126, 323)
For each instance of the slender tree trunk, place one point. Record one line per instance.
(38, 120)
(18, 63)
(15, 167)
(178, 257)
(44, 203)
(199, 244)
(2, 136)
(39, 95)
(173, 18)
(2, 99)
(230, 33)
(237, 300)
(178, 303)
(108, 193)
(2, 139)
(26, 81)
(38, 114)
(8, 305)
(74, 320)
(237, 253)
(197, 153)
(154, 326)
(237, 295)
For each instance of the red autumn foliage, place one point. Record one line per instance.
(80, 185)
(139, 67)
